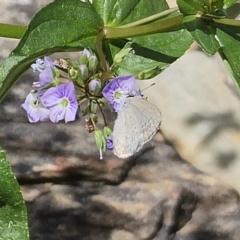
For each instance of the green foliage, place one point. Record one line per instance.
(229, 37)
(205, 6)
(232, 11)
(60, 26)
(13, 216)
(70, 25)
(119, 12)
(202, 34)
(215, 32)
(152, 53)
(228, 3)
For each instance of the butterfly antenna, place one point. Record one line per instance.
(140, 91)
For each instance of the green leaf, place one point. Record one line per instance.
(232, 11)
(119, 12)
(61, 24)
(201, 34)
(13, 215)
(189, 7)
(152, 53)
(64, 25)
(229, 37)
(229, 3)
(186, 7)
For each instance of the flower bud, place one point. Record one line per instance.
(84, 56)
(100, 141)
(73, 73)
(109, 144)
(148, 73)
(107, 132)
(83, 73)
(125, 51)
(92, 64)
(94, 86)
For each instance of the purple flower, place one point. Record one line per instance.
(109, 144)
(117, 91)
(35, 110)
(47, 73)
(38, 66)
(36, 85)
(46, 77)
(62, 102)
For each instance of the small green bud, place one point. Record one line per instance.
(149, 73)
(119, 56)
(73, 73)
(94, 106)
(107, 131)
(92, 64)
(100, 141)
(84, 56)
(83, 72)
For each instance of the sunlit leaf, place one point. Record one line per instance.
(13, 215)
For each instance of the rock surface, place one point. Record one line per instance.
(161, 197)
(154, 195)
(201, 114)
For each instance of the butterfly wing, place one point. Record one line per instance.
(136, 124)
(123, 132)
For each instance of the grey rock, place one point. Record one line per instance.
(161, 197)
(201, 114)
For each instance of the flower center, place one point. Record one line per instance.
(65, 102)
(117, 95)
(35, 103)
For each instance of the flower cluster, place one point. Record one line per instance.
(64, 85)
(52, 98)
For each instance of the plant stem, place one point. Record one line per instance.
(101, 55)
(12, 31)
(150, 18)
(156, 27)
(103, 115)
(223, 21)
(227, 21)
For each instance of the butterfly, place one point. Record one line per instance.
(136, 123)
